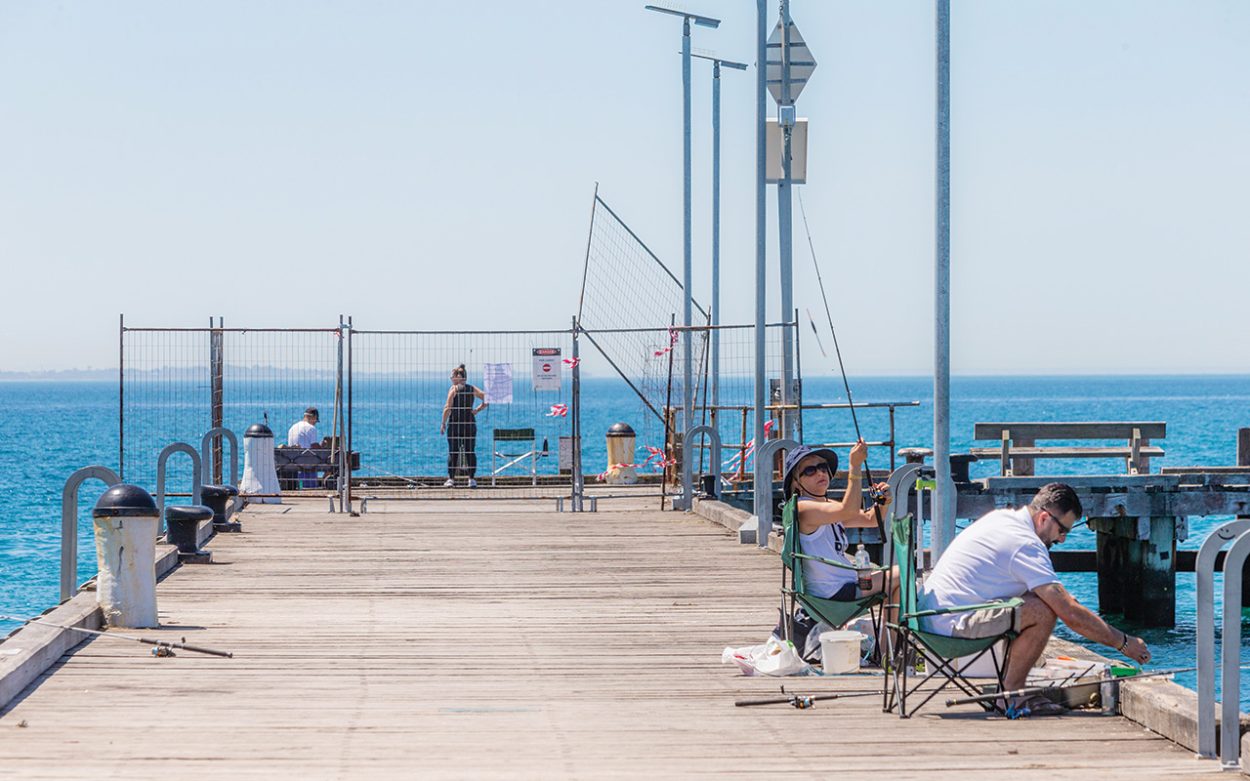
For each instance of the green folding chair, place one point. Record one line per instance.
(832, 611)
(942, 651)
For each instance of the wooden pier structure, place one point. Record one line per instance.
(470, 640)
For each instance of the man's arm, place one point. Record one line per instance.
(1086, 623)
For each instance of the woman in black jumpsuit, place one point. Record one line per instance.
(460, 426)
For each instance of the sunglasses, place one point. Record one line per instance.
(812, 469)
(1063, 530)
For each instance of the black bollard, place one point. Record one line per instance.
(216, 498)
(182, 523)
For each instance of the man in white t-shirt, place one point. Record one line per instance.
(1006, 554)
(303, 433)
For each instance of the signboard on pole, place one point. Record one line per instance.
(546, 368)
(497, 379)
(775, 144)
(802, 63)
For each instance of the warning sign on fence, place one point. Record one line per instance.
(547, 368)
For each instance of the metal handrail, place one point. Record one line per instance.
(763, 486)
(69, 523)
(687, 462)
(206, 460)
(1204, 570)
(1230, 654)
(196, 467)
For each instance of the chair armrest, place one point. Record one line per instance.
(842, 564)
(941, 611)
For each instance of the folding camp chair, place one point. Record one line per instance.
(511, 452)
(948, 656)
(832, 611)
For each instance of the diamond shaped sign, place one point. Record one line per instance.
(801, 63)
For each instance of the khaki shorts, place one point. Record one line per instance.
(985, 623)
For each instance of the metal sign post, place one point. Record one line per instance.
(687, 366)
(789, 66)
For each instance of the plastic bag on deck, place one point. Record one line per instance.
(775, 657)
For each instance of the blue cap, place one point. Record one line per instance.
(798, 454)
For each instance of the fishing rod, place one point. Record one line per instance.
(803, 701)
(162, 647)
(877, 498)
(1054, 688)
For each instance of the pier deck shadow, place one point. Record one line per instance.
(444, 642)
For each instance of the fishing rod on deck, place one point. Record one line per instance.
(161, 648)
(1030, 690)
(803, 701)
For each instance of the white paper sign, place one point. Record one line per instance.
(547, 368)
(497, 379)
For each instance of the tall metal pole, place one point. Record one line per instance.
(785, 193)
(763, 494)
(579, 487)
(121, 396)
(687, 368)
(943, 527)
(715, 237)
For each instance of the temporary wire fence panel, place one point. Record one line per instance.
(627, 292)
(261, 375)
(401, 382)
(642, 359)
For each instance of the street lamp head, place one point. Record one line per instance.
(702, 21)
(713, 58)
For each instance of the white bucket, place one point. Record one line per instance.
(839, 651)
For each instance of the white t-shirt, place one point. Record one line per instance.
(998, 557)
(303, 434)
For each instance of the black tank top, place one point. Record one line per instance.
(462, 404)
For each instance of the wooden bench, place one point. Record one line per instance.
(1017, 443)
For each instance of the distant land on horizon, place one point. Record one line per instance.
(95, 375)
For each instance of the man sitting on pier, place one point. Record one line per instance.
(1005, 554)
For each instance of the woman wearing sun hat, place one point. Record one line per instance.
(823, 521)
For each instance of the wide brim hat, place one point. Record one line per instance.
(798, 454)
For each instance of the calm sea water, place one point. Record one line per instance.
(53, 428)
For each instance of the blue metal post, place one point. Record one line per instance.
(785, 225)
(687, 370)
(715, 236)
(943, 527)
(761, 264)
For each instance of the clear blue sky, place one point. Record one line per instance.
(430, 165)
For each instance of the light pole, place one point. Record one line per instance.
(687, 368)
(716, 63)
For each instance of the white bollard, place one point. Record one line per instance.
(260, 476)
(126, 521)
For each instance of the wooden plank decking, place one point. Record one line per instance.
(467, 640)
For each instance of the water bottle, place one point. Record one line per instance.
(864, 565)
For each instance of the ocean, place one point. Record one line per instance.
(56, 427)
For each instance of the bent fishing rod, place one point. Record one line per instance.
(876, 497)
(162, 647)
(1063, 687)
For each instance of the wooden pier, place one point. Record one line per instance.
(498, 640)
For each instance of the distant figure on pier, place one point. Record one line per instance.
(1005, 554)
(823, 521)
(460, 426)
(303, 433)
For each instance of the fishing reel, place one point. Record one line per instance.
(879, 496)
(161, 651)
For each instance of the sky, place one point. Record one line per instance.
(430, 165)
